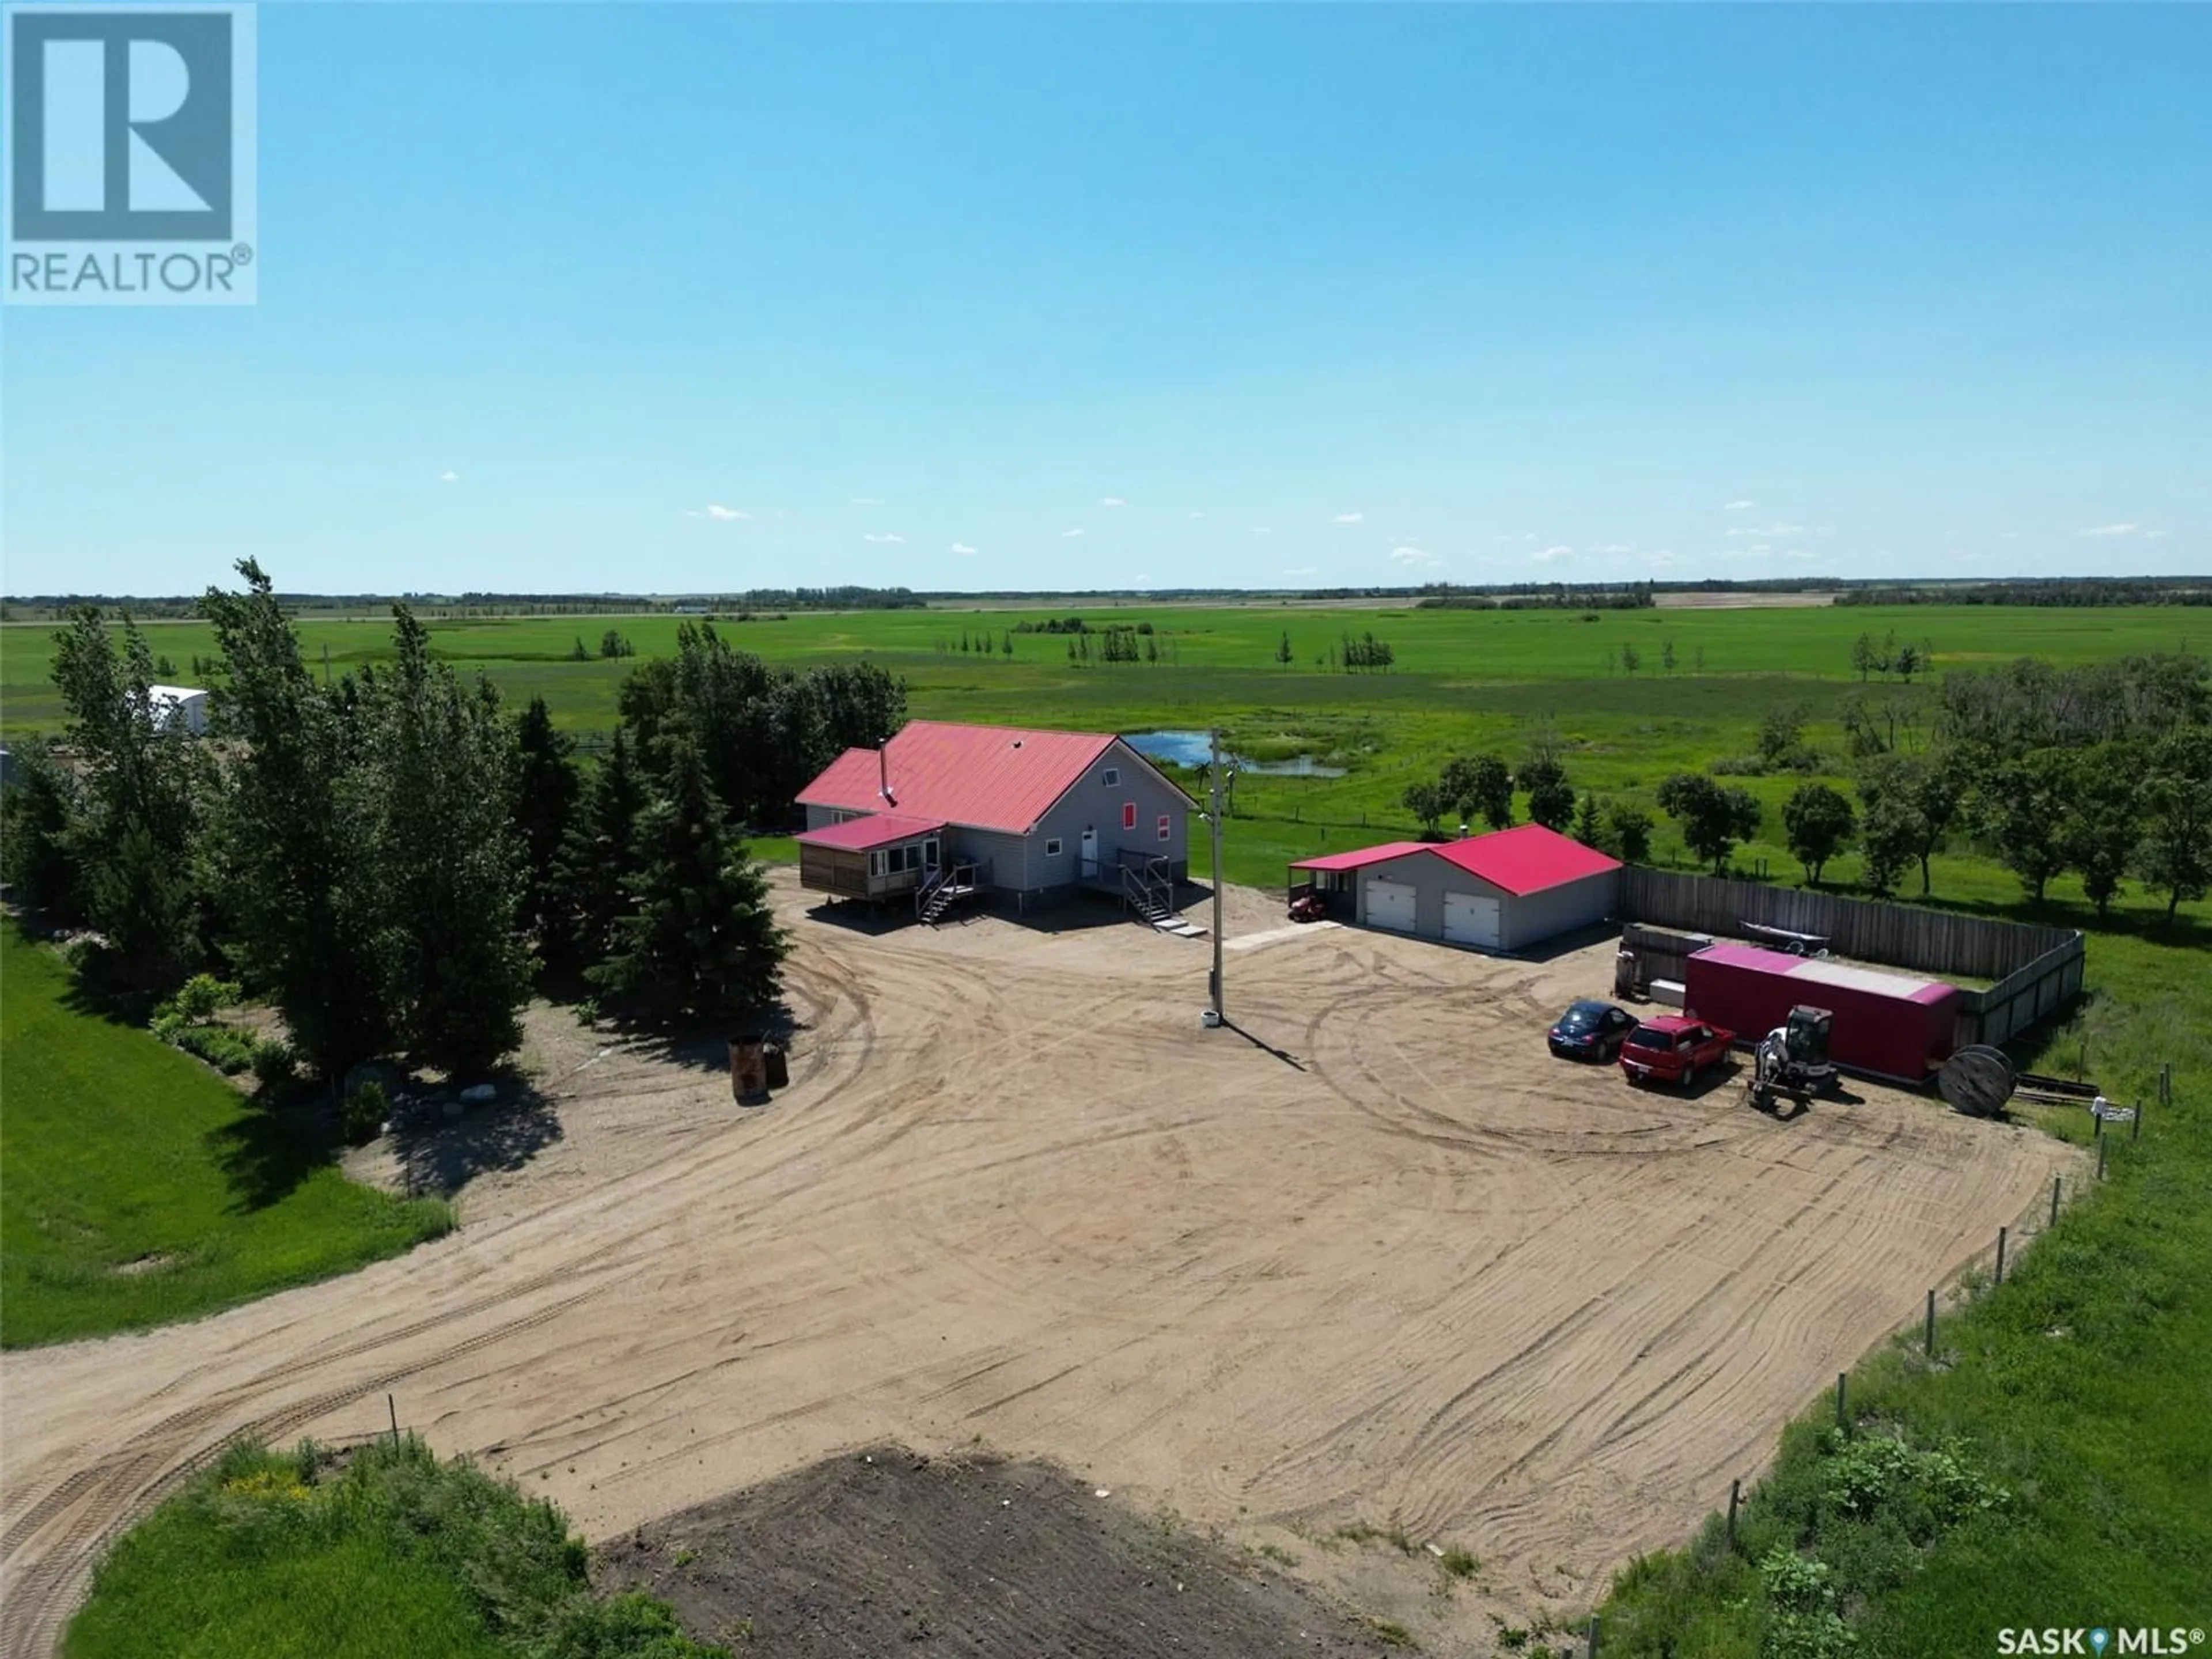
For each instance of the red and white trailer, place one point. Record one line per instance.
(1888, 1024)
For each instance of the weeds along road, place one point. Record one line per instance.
(1373, 1257)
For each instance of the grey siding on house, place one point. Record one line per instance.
(1524, 920)
(1006, 853)
(1089, 801)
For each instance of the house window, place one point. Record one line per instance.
(875, 864)
(1166, 830)
(929, 852)
(1112, 776)
(1052, 847)
(1128, 815)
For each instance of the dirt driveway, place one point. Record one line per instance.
(1370, 1259)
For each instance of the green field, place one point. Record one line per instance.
(140, 1188)
(1465, 681)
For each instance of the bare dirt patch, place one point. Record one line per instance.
(973, 1555)
(1369, 1258)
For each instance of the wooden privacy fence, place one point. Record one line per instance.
(2023, 997)
(2036, 970)
(1928, 941)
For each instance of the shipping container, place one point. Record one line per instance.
(1890, 1025)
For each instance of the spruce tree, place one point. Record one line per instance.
(440, 765)
(598, 857)
(299, 884)
(700, 941)
(545, 791)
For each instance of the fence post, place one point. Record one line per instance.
(2135, 1129)
(2055, 1180)
(1592, 1637)
(2098, 1118)
(2100, 1160)
(2000, 1249)
(1840, 1379)
(392, 1405)
(1931, 1324)
(1736, 1496)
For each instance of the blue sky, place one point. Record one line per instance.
(675, 298)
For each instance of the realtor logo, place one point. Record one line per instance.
(131, 155)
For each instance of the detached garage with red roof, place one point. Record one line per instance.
(1505, 891)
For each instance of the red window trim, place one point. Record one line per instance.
(1167, 826)
(1128, 815)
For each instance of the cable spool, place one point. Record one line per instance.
(1977, 1080)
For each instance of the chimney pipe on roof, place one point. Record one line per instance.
(884, 776)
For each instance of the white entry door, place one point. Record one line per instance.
(1391, 904)
(1089, 853)
(1472, 919)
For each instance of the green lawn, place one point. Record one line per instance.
(140, 1187)
(2079, 1388)
(275, 1557)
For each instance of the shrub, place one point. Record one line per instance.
(366, 1109)
(274, 1064)
(229, 1050)
(201, 995)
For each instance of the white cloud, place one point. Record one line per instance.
(886, 540)
(1142, 577)
(1768, 529)
(1664, 556)
(1737, 506)
(724, 514)
(449, 478)
(1071, 532)
(1198, 515)
(1414, 556)
(865, 501)
(1552, 555)
(1112, 501)
(1348, 518)
(2105, 531)
(1304, 570)
(963, 549)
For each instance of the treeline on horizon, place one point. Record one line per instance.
(2046, 590)
(2058, 591)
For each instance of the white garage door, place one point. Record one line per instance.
(1391, 904)
(1471, 919)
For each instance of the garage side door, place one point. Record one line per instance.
(1391, 904)
(1472, 919)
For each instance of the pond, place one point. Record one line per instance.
(1194, 748)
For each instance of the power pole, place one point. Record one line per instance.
(1213, 819)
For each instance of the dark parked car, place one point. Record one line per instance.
(1672, 1049)
(1591, 1030)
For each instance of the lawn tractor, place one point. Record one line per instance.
(1792, 1059)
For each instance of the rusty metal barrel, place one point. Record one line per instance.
(779, 1067)
(748, 1066)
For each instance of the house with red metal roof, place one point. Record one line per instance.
(945, 811)
(1504, 891)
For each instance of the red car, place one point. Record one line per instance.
(1670, 1049)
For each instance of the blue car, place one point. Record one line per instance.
(1591, 1030)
